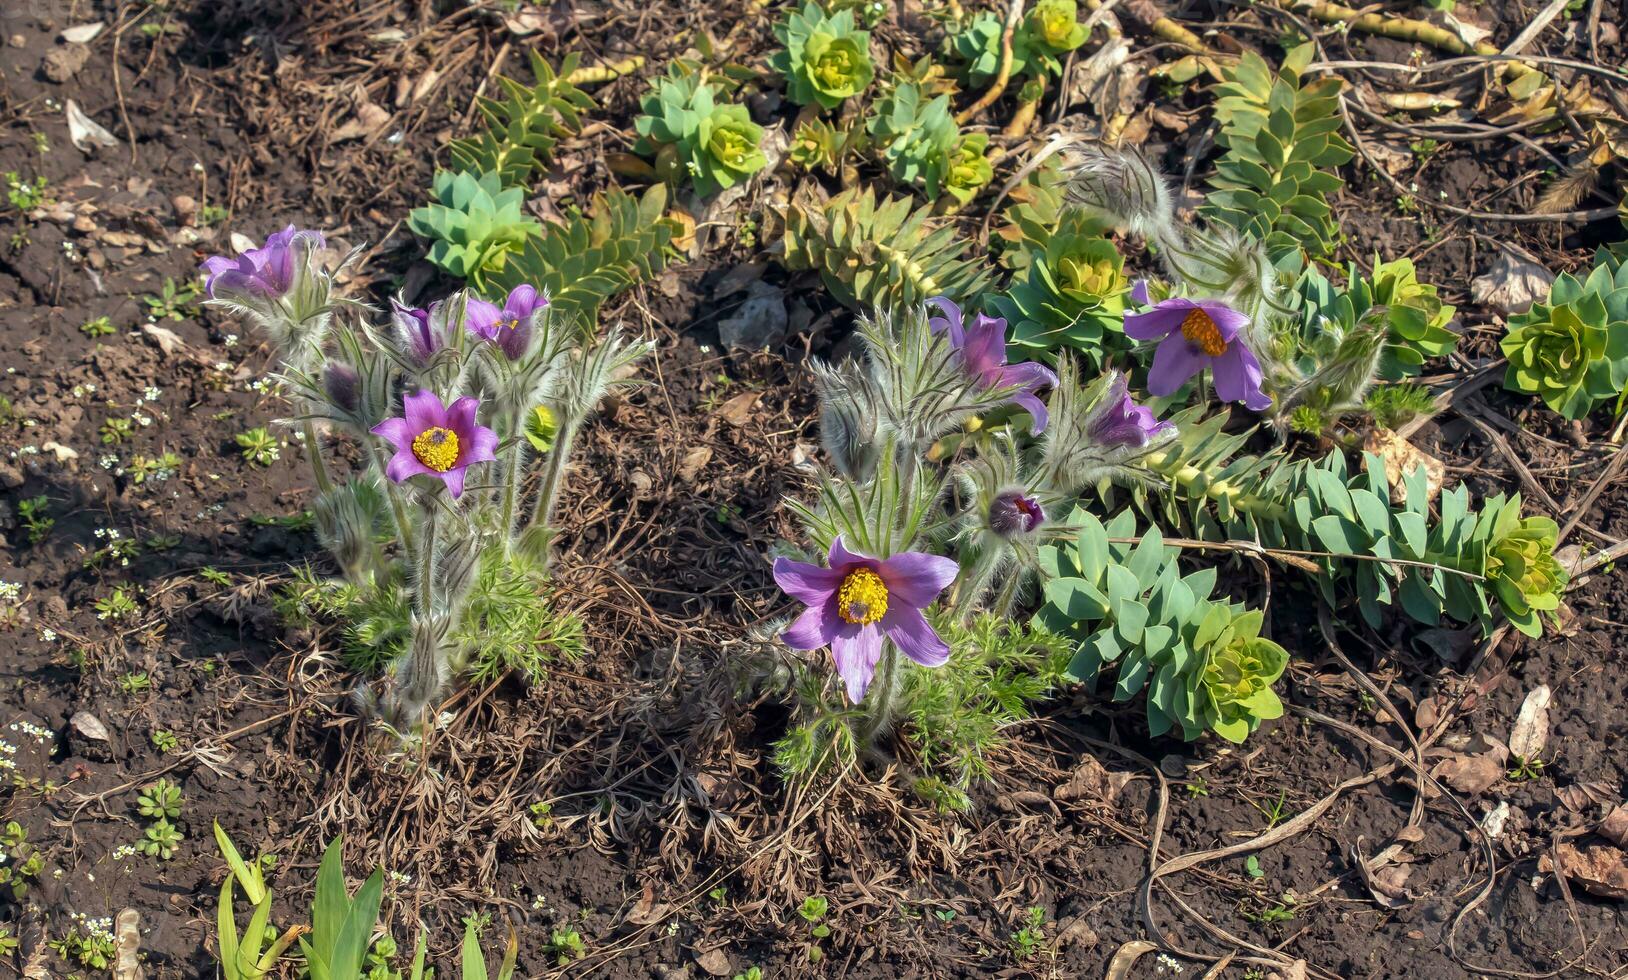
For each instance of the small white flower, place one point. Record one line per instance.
(231, 340)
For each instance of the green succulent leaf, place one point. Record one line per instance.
(1572, 350)
(474, 224)
(695, 137)
(826, 59)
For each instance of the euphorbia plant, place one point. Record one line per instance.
(825, 59)
(440, 399)
(692, 133)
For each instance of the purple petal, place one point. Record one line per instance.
(1173, 363)
(482, 446)
(983, 350)
(404, 464)
(454, 479)
(1139, 293)
(1238, 378)
(1031, 403)
(423, 410)
(1161, 321)
(815, 628)
(841, 559)
(396, 431)
(950, 320)
(1227, 320)
(806, 582)
(916, 578)
(523, 301)
(856, 653)
(1029, 374)
(460, 417)
(481, 318)
(909, 629)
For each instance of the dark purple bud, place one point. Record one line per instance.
(342, 384)
(1013, 513)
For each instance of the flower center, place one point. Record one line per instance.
(437, 448)
(1201, 331)
(862, 598)
(512, 323)
(1032, 514)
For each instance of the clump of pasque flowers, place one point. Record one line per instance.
(825, 59)
(906, 537)
(439, 400)
(693, 134)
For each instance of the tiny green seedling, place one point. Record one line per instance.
(38, 524)
(172, 301)
(161, 799)
(1526, 770)
(1252, 867)
(1275, 812)
(165, 741)
(27, 195)
(752, 973)
(259, 446)
(135, 682)
(215, 576)
(161, 841)
(116, 607)
(814, 910)
(102, 326)
(116, 430)
(1031, 937)
(565, 946)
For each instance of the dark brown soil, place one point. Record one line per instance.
(657, 774)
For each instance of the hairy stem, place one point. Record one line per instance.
(313, 448)
(553, 476)
(426, 562)
(882, 698)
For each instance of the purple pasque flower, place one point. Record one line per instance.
(983, 350)
(1119, 421)
(510, 328)
(266, 272)
(432, 439)
(857, 600)
(417, 329)
(1013, 513)
(1193, 335)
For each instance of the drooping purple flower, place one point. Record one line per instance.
(417, 329)
(857, 600)
(510, 328)
(1193, 335)
(432, 439)
(1013, 513)
(983, 351)
(1119, 421)
(266, 272)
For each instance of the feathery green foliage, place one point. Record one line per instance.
(1572, 349)
(524, 126)
(825, 59)
(880, 256)
(692, 134)
(474, 224)
(997, 671)
(1283, 143)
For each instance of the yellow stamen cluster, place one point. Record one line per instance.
(862, 598)
(1202, 333)
(437, 448)
(513, 323)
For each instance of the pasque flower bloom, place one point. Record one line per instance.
(1119, 421)
(1013, 513)
(432, 439)
(857, 600)
(266, 272)
(1193, 335)
(417, 330)
(510, 327)
(983, 351)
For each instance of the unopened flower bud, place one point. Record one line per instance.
(342, 384)
(1013, 513)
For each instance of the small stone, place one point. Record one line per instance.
(186, 209)
(90, 726)
(760, 322)
(62, 64)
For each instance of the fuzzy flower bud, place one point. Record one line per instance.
(343, 385)
(1122, 186)
(1013, 513)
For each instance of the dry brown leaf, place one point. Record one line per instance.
(693, 461)
(715, 961)
(1512, 285)
(1531, 731)
(1473, 774)
(1601, 870)
(1402, 458)
(1614, 827)
(127, 940)
(1088, 781)
(1580, 797)
(1126, 956)
(370, 118)
(738, 409)
(647, 911)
